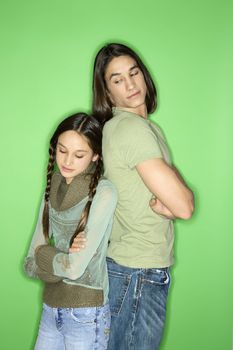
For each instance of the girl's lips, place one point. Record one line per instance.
(135, 94)
(67, 169)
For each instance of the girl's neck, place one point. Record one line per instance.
(63, 196)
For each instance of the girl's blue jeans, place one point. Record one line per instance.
(74, 328)
(137, 299)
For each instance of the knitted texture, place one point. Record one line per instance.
(64, 196)
(67, 295)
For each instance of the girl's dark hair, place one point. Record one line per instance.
(102, 106)
(91, 128)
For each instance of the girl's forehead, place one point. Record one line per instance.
(73, 139)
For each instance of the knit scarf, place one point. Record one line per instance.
(64, 196)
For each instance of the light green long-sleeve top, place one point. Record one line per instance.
(86, 268)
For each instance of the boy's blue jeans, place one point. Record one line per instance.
(137, 299)
(74, 328)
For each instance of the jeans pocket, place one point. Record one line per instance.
(85, 315)
(156, 276)
(118, 287)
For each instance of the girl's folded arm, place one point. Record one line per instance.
(73, 265)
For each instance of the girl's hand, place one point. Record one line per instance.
(78, 243)
(159, 208)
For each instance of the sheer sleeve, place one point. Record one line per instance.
(73, 265)
(38, 239)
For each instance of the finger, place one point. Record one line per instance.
(79, 241)
(153, 201)
(153, 205)
(79, 237)
(74, 250)
(76, 245)
(82, 234)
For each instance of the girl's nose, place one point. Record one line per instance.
(68, 159)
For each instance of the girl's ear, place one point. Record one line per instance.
(95, 158)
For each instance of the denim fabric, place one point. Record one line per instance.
(137, 301)
(74, 328)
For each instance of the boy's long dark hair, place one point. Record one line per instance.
(89, 127)
(102, 106)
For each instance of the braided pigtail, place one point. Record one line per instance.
(45, 218)
(92, 190)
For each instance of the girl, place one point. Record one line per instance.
(75, 310)
(137, 161)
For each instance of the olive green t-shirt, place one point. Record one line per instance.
(140, 238)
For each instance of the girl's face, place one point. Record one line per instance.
(73, 154)
(125, 84)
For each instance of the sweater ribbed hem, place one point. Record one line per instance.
(68, 295)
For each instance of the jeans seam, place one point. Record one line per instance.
(128, 279)
(137, 296)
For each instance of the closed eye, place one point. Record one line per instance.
(117, 81)
(134, 73)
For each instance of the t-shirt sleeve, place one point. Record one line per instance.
(73, 265)
(136, 142)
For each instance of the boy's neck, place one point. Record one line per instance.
(141, 111)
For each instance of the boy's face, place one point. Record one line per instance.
(125, 82)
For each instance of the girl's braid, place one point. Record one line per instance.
(92, 190)
(95, 178)
(50, 167)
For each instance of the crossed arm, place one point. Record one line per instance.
(172, 198)
(50, 264)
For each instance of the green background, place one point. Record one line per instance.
(47, 51)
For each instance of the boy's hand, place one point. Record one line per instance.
(159, 208)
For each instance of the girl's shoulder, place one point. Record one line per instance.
(106, 186)
(105, 183)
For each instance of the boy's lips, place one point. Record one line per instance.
(134, 94)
